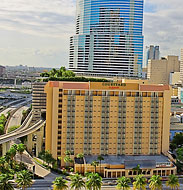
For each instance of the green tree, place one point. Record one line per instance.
(3, 119)
(12, 152)
(155, 182)
(67, 152)
(80, 156)
(7, 157)
(179, 152)
(44, 74)
(123, 183)
(5, 165)
(1, 129)
(77, 182)
(21, 148)
(177, 139)
(100, 158)
(60, 184)
(24, 179)
(68, 74)
(24, 113)
(12, 128)
(95, 164)
(139, 182)
(47, 157)
(94, 181)
(53, 72)
(67, 160)
(5, 183)
(2, 164)
(173, 182)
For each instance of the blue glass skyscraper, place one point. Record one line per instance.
(108, 38)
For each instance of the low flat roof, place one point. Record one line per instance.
(145, 161)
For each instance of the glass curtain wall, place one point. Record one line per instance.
(108, 38)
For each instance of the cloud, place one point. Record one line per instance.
(53, 18)
(40, 29)
(163, 26)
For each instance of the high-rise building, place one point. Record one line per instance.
(181, 65)
(123, 120)
(108, 40)
(38, 101)
(2, 70)
(153, 53)
(159, 71)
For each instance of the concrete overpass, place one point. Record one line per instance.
(24, 130)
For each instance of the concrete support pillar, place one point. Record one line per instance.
(5, 148)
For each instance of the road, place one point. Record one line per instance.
(47, 185)
(5, 112)
(21, 132)
(16, 118)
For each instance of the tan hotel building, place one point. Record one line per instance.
(109, 118)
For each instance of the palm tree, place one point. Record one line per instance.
(21, 148)
(2, 163)
(67, 152)
(140, 182)
(59, 184)
(155, 182)
(138, 169)
(24, 179)
(12, 152)
(4, 182)
(173, 182)
(100, 158)
(80, 156)
(14, 146)
(94, 181)
(95, 164)
(77, 182)
(7, 157)
(67, 159)
(123, 183)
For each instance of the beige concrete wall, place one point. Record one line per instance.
(146, 115)
(113, 126)
(54, 132)
(96, 125)
(175, 78)
(130, 103)
(64, 128)
(49, 104)
(38, 142)
(166, 121)
(79, 124)
(158, 71)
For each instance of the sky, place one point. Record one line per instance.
(36, 32)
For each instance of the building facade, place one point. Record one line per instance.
(158, 71)
(110, 118)
(181, 65)
(2, 70)
(117, 166)
(153, 52)
(175, 78)
(108, 40)
(38, 101)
